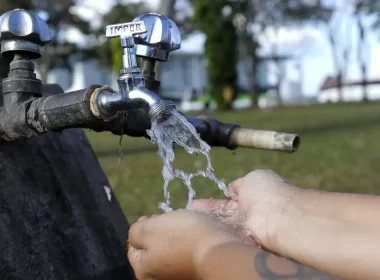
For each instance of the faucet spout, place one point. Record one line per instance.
(157, 107)
(110, 102)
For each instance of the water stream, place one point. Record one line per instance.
(177, 129)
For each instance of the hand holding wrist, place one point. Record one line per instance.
(268, 203)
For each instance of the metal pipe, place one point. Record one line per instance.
(264, 139)
(80, 109)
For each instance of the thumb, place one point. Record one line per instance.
(135, 259)
(234, 189)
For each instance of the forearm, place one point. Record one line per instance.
(231, 261)
(336, 232)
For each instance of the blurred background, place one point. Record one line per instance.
(301, 66)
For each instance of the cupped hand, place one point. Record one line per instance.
(172, 245)
(257, 203)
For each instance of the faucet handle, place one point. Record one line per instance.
(126, 33)
(128, 29)
(161, 38)
(23, 31)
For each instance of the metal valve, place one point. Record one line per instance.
(161, 38)
(23, 31)
(126, 33)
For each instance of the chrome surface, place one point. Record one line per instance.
(126, 32)
(125, 29)
(161, 38)
(132, 92)
(22, 30)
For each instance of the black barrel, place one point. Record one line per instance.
(57, 217)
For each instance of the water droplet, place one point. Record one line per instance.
(121, 154)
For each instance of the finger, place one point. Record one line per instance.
(132, 233)
(209, 204)
(137, 234)
(234, 189)
(141, 232)
(135, 259)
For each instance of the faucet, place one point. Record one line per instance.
(162, 38)
(26, 113)
(148, 39)
(132, 92)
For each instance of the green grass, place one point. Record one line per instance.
(339, 151)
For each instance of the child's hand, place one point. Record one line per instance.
(172, 245)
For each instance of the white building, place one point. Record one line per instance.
(352, 91)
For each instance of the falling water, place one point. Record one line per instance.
(177, 129)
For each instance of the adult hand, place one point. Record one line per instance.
(257, 203)
(173, 245)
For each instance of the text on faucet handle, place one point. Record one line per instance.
(125, 29)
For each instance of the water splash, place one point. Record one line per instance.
(121, 154)
(177, 129)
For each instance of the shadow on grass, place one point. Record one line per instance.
(320, 129)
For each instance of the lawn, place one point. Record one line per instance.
(339, 152)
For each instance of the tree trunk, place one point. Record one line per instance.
(280, 72)
(57, 220)
(253, 90)
(279, 93)
(339, 79)
(361, 56)
(337, 64)
(280, 79)
(166, 8)
(252, 74)
(365, 82)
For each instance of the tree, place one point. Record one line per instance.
(252, 18)
(220, 48)
(60, 17)
(363, 9)
(275, 20)
(331, 17)
(166, 8)
(340, 56)
(245, 17)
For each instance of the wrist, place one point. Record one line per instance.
(296, 225)
(283, 217)
(225, 261)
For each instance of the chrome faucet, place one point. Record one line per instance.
(162, 37)
(132, 91)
